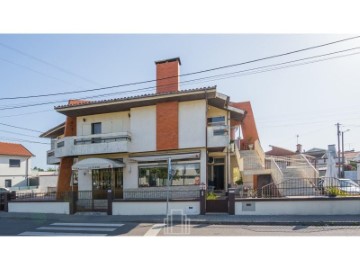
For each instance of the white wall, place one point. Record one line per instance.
(155, 208)
(143, 129)
(40, 207)
(46, 181)
(111, 122)
(16, 174)
(192, 124)
(301, 207)
(131, 173)
(84, 180)
(214, 112)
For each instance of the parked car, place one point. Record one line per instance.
(5, 190)
(349, 186)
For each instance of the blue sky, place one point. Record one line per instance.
(306, 100)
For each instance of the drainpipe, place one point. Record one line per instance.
(228, 152)
(206, 139)
(27, 172)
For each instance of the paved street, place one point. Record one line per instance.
(42, 225)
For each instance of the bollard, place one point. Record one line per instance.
(231, 201)
(202, 202)
(110, 198)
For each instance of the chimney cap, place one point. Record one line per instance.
(168, 60)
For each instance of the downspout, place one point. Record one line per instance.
(27, 172)
(206, 139)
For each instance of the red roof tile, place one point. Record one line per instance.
(278, 151)
(14, 149)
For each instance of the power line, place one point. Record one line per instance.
(188, 74)
(21, 140)
(47, 63)
(28, 129)
(234, 74)
(38, 72)
(21, 134)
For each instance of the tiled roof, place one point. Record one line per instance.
(82, 102)
(278, 151)
(14, 149)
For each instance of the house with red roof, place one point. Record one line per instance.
(15, 165)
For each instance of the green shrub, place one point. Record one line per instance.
(239, 182)
(333, 191)
(211, 196)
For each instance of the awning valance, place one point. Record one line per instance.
(166, 157)
(97, 163)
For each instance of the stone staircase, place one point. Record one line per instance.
(251, 160)
(295, 183)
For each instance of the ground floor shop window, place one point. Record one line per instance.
(156, 176)
(107, 178)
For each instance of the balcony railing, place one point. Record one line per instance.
(218, 136)
(92, 144)
(51, 159)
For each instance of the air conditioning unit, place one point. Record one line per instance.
(211, 160)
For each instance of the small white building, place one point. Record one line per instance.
(15, 165)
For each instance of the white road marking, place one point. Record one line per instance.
(88, 224)
(58, 234)
(154, 230)
(77, 229)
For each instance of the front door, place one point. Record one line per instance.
(218, 177)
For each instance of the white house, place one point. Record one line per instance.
(15, 165)
(123, 144)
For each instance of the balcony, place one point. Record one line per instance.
(51, 159)
(218, 136)
(93, 144)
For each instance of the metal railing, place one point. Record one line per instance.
(42, 196)
(161, 194)
(276, 172)
(260, 152)
(309, 170)
(303, 188)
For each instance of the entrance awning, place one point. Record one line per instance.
(166, 157)
(97, 163)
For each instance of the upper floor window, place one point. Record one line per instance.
(216, 121)
(96, 129)
(14, 163)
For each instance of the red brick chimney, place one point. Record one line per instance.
(167, 75)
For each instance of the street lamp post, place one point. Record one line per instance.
(343, 154)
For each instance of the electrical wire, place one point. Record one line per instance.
(188, 74)
(48, 63)
(28, 129)
(218, 77)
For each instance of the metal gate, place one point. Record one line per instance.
(218, 205)
(91, 201)
(2, 201)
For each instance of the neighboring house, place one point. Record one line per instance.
(15, 165)
(125, 143)
(279, 151)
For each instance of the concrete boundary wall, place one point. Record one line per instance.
(336, 206)
(40, 207)
(154, 207)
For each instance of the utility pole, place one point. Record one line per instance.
(338, 135)
(343, 152)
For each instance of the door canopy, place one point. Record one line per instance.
(97, 163)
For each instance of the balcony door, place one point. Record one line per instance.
(96, 129)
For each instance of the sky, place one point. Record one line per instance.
(305, 100)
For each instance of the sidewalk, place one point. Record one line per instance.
(345, 220)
